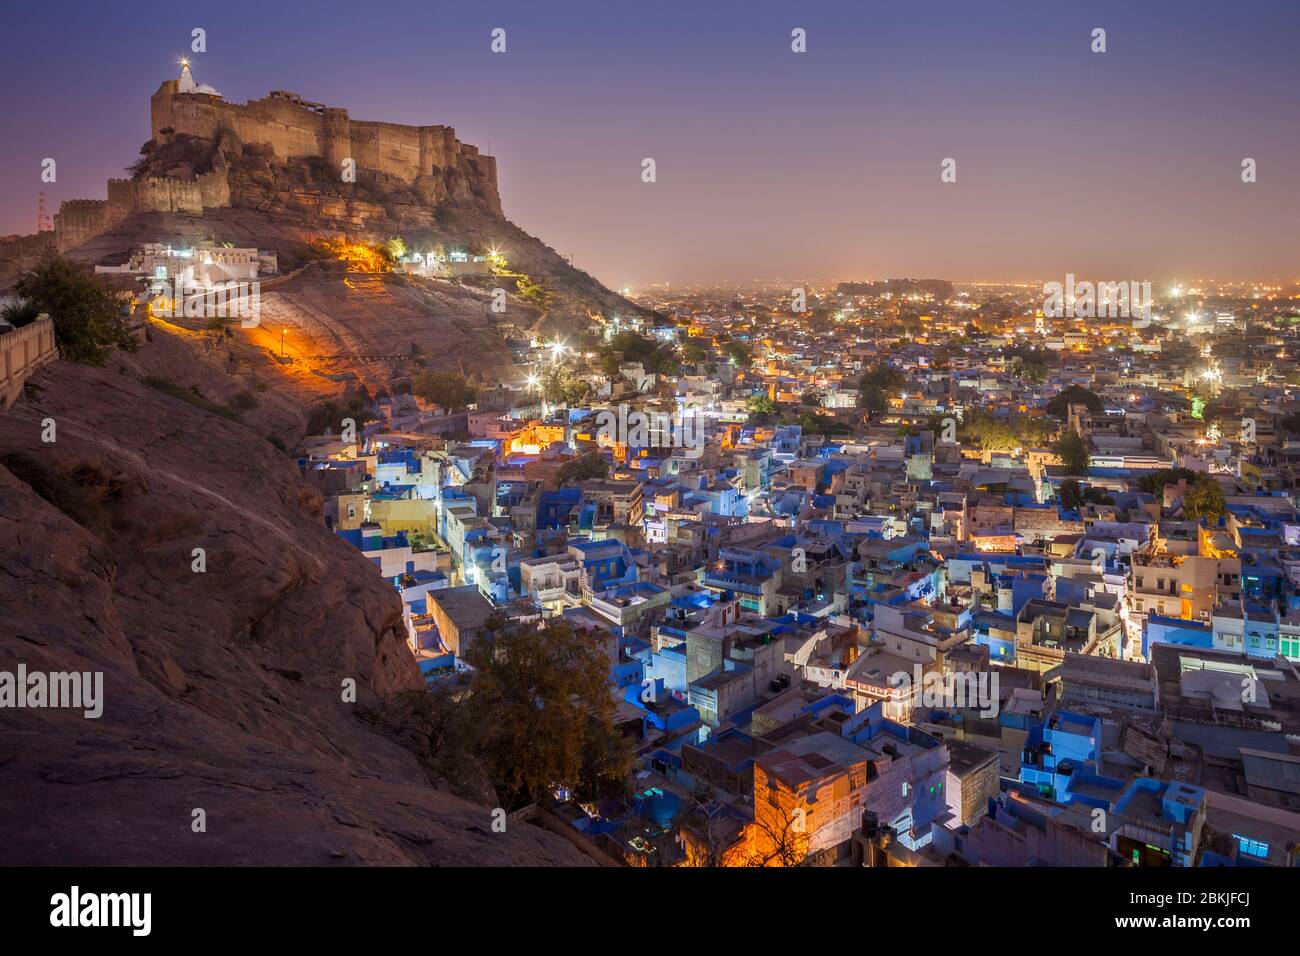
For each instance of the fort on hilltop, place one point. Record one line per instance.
(291, 128)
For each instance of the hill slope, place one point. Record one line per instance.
(222, 689)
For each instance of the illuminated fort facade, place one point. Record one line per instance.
(292, 128)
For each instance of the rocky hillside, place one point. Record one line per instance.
(222, 689)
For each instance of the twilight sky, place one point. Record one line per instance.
(771, 164)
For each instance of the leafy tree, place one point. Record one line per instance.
(760, 406)
(1035, 432)
(448, 389)
(739, 354)
(532, 291)
(811, 397)
(695, 351)
(395, 248)
(876, 385)
(87, 315)
(1059, 406)
(544, 716)
(560, 386)
(656, 356)
(590, 465)
(1071, 494)
(1097, 496)
(360, 256)
(328, 417)
(1154, 482)
(989, 434)
(814, 424)
(1073, 451)
(1034, 372)
(609, 363)
(1204, 499)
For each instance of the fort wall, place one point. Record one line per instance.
(293, 128)
(80, 220)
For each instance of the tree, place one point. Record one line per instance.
(739, 354)
(1204, 499)
(544, 716)
(760, 406)
(590, 465)
(988, 433)
(395, 249)
(19, 314)
(695, 351)
(560, 386)
(1059, 406)
(532, 291)
(1033, 372)
(1035, 432)
(657, 357)
(87, 316)
(1073, 452)
(1154, 482)
(610, 363)
(448, 389)
(1071, 494)
(779, 838)
(811, 397)
(876, 385)
(329, 416)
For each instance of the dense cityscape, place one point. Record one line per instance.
(748, 439)
(836, 525)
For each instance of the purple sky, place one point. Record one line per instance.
(770, 164)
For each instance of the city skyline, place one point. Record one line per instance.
(737, 436)
(1068, 161)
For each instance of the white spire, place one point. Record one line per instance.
(187, 84)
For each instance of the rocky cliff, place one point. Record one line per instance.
(222, 688)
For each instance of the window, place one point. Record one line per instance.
(1251, 847)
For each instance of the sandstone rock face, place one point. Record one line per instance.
(222, 689)
(339, 323)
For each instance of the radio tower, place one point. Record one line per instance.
(43, 223)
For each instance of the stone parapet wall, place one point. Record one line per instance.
(22, 352)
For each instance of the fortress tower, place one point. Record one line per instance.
(336, 136)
